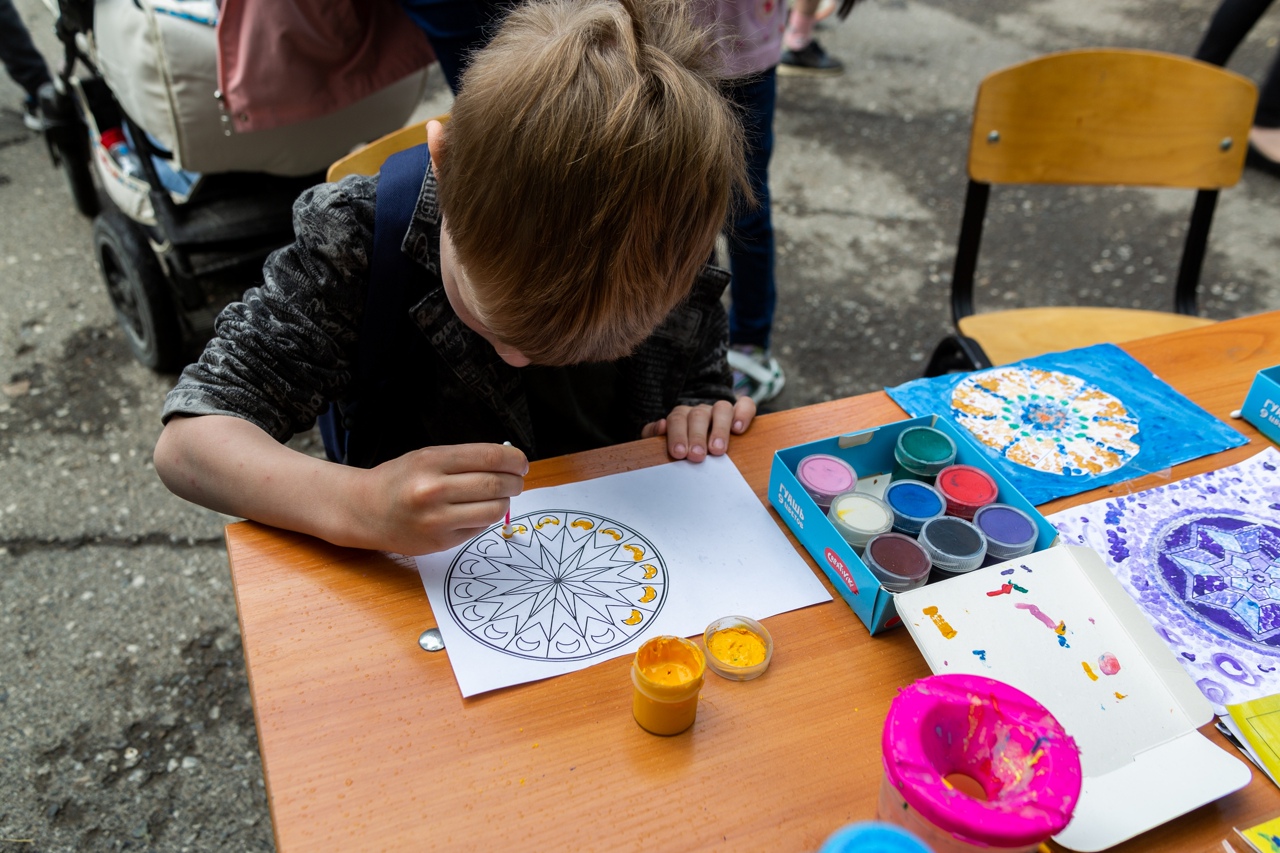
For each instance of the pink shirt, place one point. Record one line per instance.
(749, 32)
(285, 61)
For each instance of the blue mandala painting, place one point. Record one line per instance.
(1201, 557)
(1067, 422)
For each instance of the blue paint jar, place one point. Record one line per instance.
(872, 837)
(913, 503)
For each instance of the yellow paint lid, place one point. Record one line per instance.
(738, 647)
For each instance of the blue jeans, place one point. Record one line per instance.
(455, 28)
(753, 288)
(24, 63)
(1230, 24)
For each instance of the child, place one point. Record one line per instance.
(561, 303)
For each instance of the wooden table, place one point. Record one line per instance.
(367, 743)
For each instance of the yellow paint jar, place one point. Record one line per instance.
(667, 674)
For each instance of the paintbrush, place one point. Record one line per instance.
(506, 526)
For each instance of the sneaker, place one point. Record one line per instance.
(812, 61)
(756, 374)
(31, 116)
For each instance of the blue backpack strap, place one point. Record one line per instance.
(399, 184)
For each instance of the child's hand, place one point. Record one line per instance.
(432, 499)
(425, 501)
(694, 431)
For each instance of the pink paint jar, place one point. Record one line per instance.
(949, 732)
(824, 476)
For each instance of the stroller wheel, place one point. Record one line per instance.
(138, 291)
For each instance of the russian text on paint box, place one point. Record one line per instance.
(1262, 405)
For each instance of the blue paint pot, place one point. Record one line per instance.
(1010, 532)
(873, 837)
(913, 503)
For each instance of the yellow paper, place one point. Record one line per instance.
(1265, 837)
(1259, 721)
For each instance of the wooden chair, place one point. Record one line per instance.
(1101, 117)
(368, 159)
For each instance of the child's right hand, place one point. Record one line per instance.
(425, 501)
(432, 499)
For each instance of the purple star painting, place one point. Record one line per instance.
(1202, 559)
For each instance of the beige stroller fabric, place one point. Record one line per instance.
(162, 70)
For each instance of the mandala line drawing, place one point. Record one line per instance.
(560, 585)
(1046, 420)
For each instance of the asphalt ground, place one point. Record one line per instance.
(125, 717)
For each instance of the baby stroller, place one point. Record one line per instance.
(185, 208)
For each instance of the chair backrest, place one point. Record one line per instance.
(368, 159)
(1107, 117)
(1114, 116)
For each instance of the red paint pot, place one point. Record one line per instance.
(966, 489)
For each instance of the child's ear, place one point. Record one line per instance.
(435, 144)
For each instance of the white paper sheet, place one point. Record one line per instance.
(595, 568)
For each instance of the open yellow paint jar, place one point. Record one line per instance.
(738, 647)
(667, 674)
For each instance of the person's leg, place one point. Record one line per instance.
(752, 285)
(751, 251)
(456, 29)
(1229, 25)
(1264, 136)
(1268, 114)
(1231, 22)
(24, 63)
(801, 53)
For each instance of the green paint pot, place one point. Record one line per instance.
(921, 452)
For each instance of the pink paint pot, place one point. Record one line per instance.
(948, 734)
(824, 476)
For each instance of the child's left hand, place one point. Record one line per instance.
(694, 431)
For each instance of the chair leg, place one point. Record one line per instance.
(956, 353)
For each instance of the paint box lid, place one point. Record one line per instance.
(924, 451)
(966, 488)
(898, 561)
(913, 503)
(729, 668)
(857, 516)
(954, 545)
(824, 476)
(1010, 532)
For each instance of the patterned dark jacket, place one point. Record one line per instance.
(287, 350)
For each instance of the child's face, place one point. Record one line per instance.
(462, 297)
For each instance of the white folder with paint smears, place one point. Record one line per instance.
(1058, 625)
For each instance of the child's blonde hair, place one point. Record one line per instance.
(588, 165)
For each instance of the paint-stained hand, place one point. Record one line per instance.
(693, 432)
